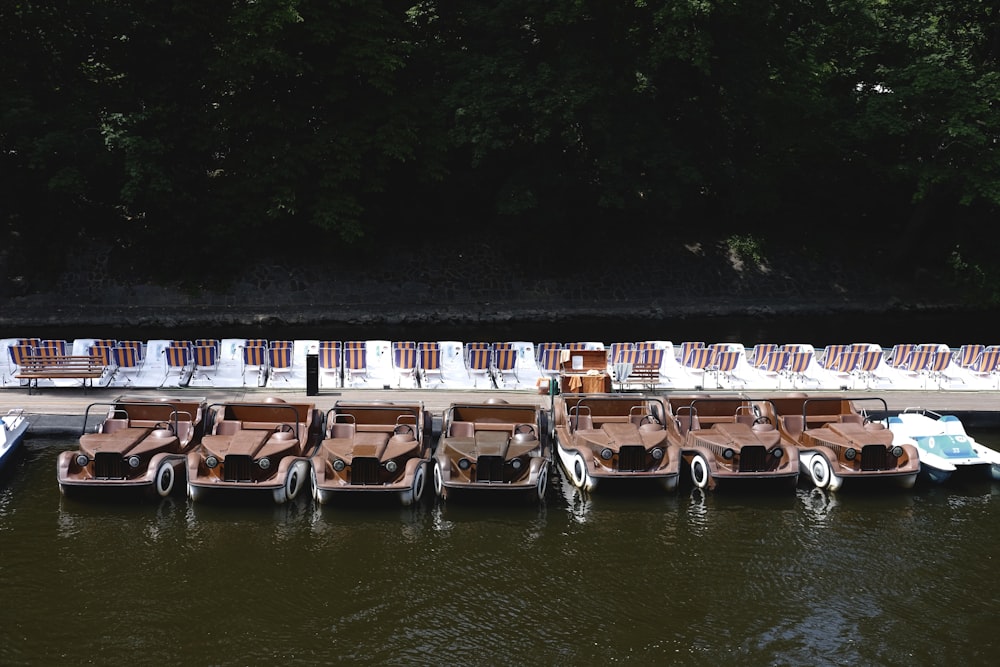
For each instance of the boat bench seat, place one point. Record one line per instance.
(645, 374)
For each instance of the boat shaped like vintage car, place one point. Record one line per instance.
(607, 439)
(139, 444)
(843, 441)
(492, 448)
(255, 447)
(373, 448)
(729, 442)
(946, 451)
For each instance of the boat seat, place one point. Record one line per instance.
(462, 429)
(792, 424)
(342, 430)
(584, 423)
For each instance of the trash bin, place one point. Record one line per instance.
(312, 375)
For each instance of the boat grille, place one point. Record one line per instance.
(109, 465)
(631, 458)
(364, 470)
(753, 458)
(489, 469)
(874, 457)
(238, 468)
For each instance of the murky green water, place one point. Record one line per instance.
(903, 578)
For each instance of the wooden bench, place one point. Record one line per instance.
(60, 366)
(648, 375)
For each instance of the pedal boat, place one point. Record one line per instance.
(139, 444)
(492, 449)
(946, 451)
(844, 442)
(260, 448)
(372, 449)
(606, 440)
(12, 431)
(730, 443)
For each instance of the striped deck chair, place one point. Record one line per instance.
(355, 361)
(725, 362)
(33, 342)
(698, 358)
(654, 356)
(504, 365)
(899, 356)
(967, 355)
(772, 365)
(205, 358)
(100, 353)
(137, 345)
(255, 359)
(919, 359)
(404, 361)
(847, 360)
(619, 350)
(760, 353)
(429, 362)
(798, 366)
(330, 361)
(281, 344)
(940, 363)
(830, 358)
(256, 342)
(547, 345)
(204, 342)
(104, 342)
(623, 360)
(127, 362)
(988, 363)
(52, 348)
(478, 360)
(177, 357)
(549, 360)
(684, 350)
(20, 353)
(867, 365)
(279, 362)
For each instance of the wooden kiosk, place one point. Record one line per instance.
(584, 371)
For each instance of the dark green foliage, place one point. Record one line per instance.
(183, 135)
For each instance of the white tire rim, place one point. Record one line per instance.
(699, 471)
(819, 469)
(165, 479)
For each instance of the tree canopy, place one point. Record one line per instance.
(222, 125)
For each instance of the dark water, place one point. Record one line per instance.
(901, 578)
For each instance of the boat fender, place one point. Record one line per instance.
(164, 479)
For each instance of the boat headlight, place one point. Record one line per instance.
(656, 453)
(133, 461)
(464, 464)
(728, 453)
(339, 465)
(391, 466)
(516, 464)
(264, 463)
(777, 452)
(850, 453)
(896, 451)
(82, 460)
(606, 453)
(211, 461)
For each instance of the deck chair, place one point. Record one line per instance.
(429, 362)
(355, 362)
(279, 362)
(178, 359)
(205, 358)
(798, 365)
(899, 355)
(772, 365)
(504, 365)
(137, 345)
(404, 362)
(830, 358)
(52, 348)
(967, 355)
(684, 349)
(760, 353)
(127, 363)
(622, 361)
(619, 350)
(867, 367)
(330, 361)
(478, 359)
(548, 361)
(987, 365)
(725, 363)
(255, 359)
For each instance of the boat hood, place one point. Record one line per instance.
(947, 446)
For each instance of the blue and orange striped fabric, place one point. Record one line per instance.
(255, 355)
(726, 360)
(654, 356)
(125, 356)
(280, 344)
(430, 356)
(798, 362)
(505, 359)
(549, 359)
(920, 358)
(967, 355)
(404, 358)
(699, 357)
(479, 359)
(20, 353)
(280, 358)
(329, 355)
(177, 356)
(988, 361)
(51, 348)
(205, 356)
(354, 358)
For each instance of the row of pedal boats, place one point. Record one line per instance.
(512, 365)
(359, 450)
